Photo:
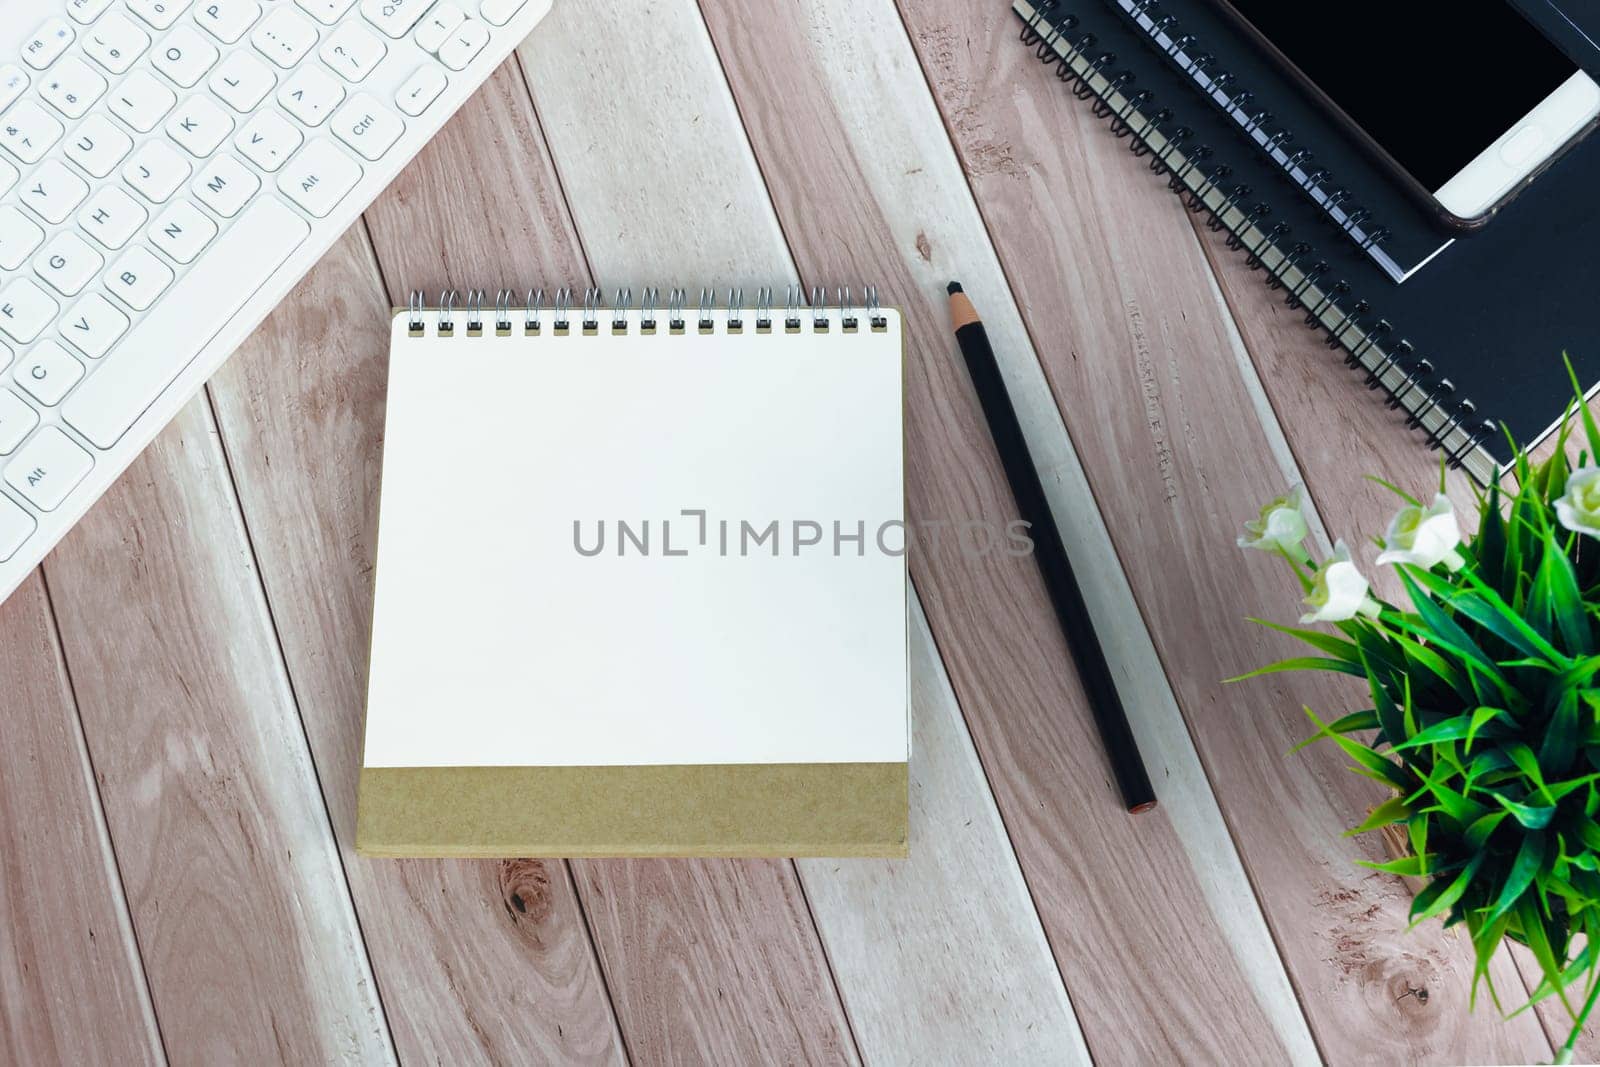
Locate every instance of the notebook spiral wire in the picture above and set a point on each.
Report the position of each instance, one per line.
(1448, 422)
(467, 311)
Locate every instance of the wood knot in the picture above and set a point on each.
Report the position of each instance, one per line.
(525, 888)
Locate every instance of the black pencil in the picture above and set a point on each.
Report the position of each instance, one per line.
(1051, 555)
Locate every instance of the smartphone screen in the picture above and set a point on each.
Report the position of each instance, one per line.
(1434, 83)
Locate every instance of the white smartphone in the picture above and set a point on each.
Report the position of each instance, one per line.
(1464, 102)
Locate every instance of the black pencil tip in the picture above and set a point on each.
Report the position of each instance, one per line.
(954, 287)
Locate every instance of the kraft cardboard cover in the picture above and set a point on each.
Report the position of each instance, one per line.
(799, 809)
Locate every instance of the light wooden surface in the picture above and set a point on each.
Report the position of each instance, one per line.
(183, 681)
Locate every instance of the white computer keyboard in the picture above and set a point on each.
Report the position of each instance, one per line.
(168, 170)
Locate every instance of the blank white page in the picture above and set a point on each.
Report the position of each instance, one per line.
(497, 642)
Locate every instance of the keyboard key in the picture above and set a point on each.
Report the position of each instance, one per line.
(138, 278)
(142, 102)
(115, 42)
(421, 89)
(243, 80)
(48, 467)
(464, 42)
(47, 43)
(311, 95)
(185, 56)
(227, 20)
(19, 236)
(319, 177)
(25, 310)
(182, 231)
(394, 17)
(86, 11)
(8, 176)
(326, 12)
(53, 192)
(156, 170)
(225, 185)
(13, 81)
(111, 216)
(285, 36)
(199, 125)
(17, 421)
(16, 526)
(268, 140)
(499, 12)
(98, 146)
(68, 263)
(27, 131)
(367, 126)
(433, 30)
(72, 87)
(93, 325)
(48, 372)
(197, 308)
(158, 13)
(353, 50)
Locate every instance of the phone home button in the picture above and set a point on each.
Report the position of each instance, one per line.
(1521, 145)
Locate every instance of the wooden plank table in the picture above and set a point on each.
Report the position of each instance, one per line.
(183, 678)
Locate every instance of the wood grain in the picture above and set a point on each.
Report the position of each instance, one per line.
(71, 987)
(1115, 294)
(941, 958)
(738, 240)
(756, 949)
(476, 962)
(233, 879)
(706, 157)
(859, 209)
(213, 613)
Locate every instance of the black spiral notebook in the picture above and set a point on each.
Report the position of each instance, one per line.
(1466, 351)
(1283, 125)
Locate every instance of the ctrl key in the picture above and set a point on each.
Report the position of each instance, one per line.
(16, 526)
(47, 468)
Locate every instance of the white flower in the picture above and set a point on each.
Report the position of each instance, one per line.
(1280, 526)
(1339, 591)
(1579, 507)
(1424, 537)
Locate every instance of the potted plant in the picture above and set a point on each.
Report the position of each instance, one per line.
(1484, 716)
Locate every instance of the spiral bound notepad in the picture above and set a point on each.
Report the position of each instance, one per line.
(1487, 324)
(641, 583)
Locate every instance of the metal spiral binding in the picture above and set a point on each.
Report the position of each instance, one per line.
(1448, 422)
(1183, 51)
(559, 324)
(414, 324)
(675, 311)
(502, 312)
(819, 312)
(447, 308)
(647, 310)
(708, 301)
(710, 317)
(764, 309)
(619, 310)
(591, 311)
(531, 311)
